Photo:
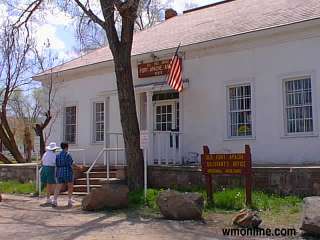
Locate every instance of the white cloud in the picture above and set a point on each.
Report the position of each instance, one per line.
(180, 5)
(48, 32)
(3, 12)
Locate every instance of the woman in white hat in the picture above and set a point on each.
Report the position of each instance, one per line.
(48, 170)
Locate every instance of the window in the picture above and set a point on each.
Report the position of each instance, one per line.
(298, 106)
(164, 117)
(70, 124)
(98, 122)
(240, 123)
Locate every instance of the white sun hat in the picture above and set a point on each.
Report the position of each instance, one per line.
(52, 146)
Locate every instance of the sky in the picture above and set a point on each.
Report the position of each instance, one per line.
(58, 27)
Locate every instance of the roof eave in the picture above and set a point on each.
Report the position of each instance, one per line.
(140, 56)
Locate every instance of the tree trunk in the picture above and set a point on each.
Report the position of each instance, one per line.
(39, 132)
(4, 159)
(27, 143)
(129, 120)
(11, 146)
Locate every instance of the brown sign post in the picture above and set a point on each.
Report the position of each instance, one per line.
(234, 164)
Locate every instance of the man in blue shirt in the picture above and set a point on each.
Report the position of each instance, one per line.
(64, 173)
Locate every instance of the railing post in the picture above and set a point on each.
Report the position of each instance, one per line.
(150, 127)
(37, 178)
(105, 157)
(179, 148)
(117, 149)
(145, 173)
(167, 146)
(108, 170)
(88, 182)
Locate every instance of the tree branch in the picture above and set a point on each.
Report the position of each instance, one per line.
(90, 14)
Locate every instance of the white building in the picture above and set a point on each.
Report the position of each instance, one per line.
(252, 76)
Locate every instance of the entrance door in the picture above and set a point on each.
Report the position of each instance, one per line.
(166, 131)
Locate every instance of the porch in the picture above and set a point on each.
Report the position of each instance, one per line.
(160, 116)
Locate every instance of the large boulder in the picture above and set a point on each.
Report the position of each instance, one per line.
(110, 195)
(180, 206)
(310, 222)
(247, 218)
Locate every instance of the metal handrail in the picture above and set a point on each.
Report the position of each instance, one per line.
(38, 178)
(90, 168)
(107, 163)
(80, 150)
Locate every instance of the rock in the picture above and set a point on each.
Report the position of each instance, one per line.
(180, 206)
(247, 219)
(110, 195)
(310, 222)
(0, 198)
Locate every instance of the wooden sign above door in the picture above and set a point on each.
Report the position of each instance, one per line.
(152, 69)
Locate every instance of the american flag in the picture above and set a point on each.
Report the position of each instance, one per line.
(174, 79)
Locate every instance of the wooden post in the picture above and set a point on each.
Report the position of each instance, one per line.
(248, 180)
(208, 177)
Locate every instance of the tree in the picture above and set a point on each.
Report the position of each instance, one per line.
(24, 114)
(44, 99)
(13, 68)
(91, 36)
(120, 44)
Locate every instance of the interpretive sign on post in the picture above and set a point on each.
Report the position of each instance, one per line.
(234, 164)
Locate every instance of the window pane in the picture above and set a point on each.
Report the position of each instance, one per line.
(240, 107)
(99, 122)
(169, 109)
(232, 93)
(299, 106)
(70, 124)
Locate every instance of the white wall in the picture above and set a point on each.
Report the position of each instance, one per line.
(264, 68)
(205, 102)
(83, 92)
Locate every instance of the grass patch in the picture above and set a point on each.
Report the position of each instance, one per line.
(234, 199)
(136, 199)
(226, 200)
(17, 187)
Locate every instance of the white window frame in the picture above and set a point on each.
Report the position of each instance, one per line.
(172, 102)
(292, 77)
(232, 84)
(76, 123)
(94, 121)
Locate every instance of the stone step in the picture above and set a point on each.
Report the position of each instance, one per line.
(83, 188)
(98, 169)
(93, 181)
(102, 174)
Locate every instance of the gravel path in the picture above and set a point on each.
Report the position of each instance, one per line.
(21, 218)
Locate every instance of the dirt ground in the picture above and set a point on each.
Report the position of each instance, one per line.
(22, 218)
